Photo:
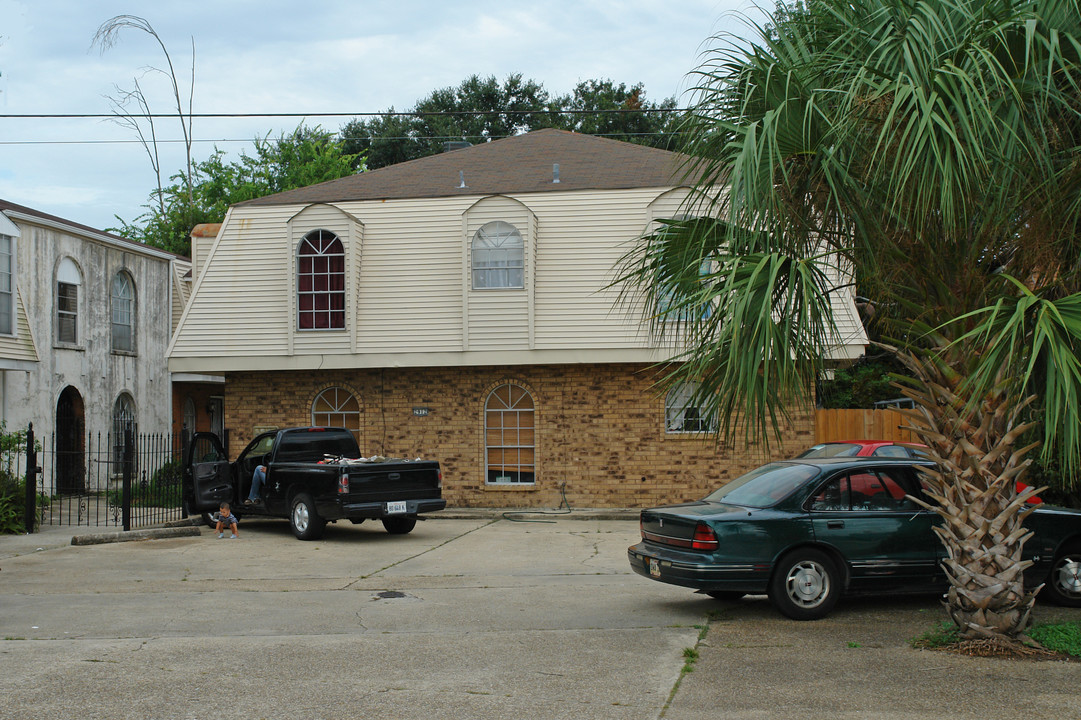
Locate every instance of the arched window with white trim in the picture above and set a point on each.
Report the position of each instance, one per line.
(509, 436)
(68, 280)
(337, 407)
(498, 257)
(122, 306)
(321, 282)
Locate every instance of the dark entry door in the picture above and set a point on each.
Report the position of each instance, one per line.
(70, 438)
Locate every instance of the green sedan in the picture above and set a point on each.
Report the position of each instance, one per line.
(807, 531)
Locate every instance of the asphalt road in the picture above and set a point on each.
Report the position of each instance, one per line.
(463, 618)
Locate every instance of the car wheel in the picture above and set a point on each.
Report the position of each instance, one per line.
(1063, 584)
(399, 525)
(725, 594)
(805, 585)
(305, 521)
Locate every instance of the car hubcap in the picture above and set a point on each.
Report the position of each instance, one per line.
(808, 584)
(1067, 576)
(300, 517)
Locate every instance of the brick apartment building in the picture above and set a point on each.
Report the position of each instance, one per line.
(459, 307)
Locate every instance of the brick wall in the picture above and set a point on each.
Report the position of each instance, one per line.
(600, 435)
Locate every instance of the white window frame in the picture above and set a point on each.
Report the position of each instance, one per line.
(122, 312)
(682, 415)
(510, 437)
(7, 285)
(497, 257)
(68, 277)
(320, 240)
(343, 410)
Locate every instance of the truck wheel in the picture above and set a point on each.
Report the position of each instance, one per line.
(805, 585)
(305, 521)
(399, 525)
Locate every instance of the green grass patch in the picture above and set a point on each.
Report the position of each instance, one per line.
(943, 634)
(1060, 637)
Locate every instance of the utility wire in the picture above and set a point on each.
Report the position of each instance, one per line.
(260, 139)
(407, 113)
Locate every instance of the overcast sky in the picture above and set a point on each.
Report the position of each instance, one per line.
(271, 56)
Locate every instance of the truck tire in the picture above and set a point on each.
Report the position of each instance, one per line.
(305, 521)
(399, 525)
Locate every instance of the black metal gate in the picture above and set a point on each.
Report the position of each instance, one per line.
(133, 480)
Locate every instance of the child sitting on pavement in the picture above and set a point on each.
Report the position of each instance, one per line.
(226, 518)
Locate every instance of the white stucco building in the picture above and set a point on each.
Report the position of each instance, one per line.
(85, 321)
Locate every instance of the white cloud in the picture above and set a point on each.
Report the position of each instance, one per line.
(279, 56)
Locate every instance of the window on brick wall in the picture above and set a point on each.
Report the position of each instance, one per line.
(684, 412)
(509, 436)
(337, 407)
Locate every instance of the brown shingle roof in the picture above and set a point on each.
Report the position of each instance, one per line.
(519, 164)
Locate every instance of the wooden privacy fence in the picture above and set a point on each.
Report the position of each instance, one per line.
(831, 425)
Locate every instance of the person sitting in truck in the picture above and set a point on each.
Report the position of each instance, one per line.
(258, 477)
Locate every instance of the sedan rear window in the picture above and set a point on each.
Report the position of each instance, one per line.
(826, 450)
(764, 486)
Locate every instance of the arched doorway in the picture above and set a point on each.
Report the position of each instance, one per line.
(70, 438)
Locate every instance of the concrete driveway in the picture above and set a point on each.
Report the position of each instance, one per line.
(464, 618)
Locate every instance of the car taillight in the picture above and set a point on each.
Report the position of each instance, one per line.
(343, 484)
(439, 474)
(704, 538)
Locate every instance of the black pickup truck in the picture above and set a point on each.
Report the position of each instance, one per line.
(313, 475)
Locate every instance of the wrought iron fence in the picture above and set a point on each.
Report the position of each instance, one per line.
(100, 479)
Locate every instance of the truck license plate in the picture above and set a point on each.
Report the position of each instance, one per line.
(395, 508)
(654, 567)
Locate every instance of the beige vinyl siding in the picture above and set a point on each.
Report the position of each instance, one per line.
(582, 237)
(20, 347)
(180, 292)
(408, 282)
(410, 293)
(241, 302)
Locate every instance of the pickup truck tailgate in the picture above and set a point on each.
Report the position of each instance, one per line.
(413, 480)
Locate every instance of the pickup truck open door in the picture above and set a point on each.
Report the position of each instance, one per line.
(208, 474)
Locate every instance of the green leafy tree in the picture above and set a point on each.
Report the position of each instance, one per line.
(304, 157)
(483, 109)
(928, 149)
(600, 107)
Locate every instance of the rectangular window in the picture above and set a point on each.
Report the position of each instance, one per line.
(7, 286)
(67, 307)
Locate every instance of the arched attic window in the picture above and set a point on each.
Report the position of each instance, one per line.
(321, 282)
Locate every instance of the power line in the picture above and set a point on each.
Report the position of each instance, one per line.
(434, 113)
(197, 141)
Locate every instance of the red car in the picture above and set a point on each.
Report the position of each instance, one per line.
(878, 448)
(862, 448)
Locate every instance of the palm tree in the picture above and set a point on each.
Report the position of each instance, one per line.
(927, 151)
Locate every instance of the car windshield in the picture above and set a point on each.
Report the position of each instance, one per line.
(764, 486)
(826, 450)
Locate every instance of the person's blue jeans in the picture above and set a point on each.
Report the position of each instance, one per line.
(257, 479)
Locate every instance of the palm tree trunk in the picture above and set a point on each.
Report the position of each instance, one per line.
(973, 488)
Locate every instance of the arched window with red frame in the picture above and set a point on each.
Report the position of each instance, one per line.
(321, 282)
